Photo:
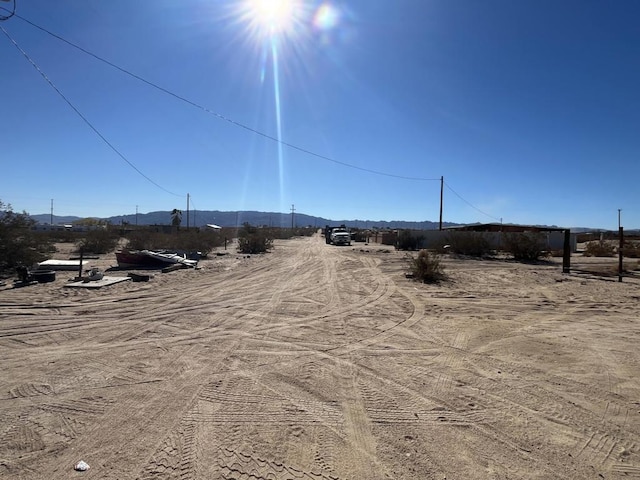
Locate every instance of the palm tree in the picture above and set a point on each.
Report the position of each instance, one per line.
(176, 217)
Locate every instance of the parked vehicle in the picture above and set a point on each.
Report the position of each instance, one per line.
(340, 237)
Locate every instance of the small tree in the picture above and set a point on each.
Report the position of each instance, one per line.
(19, 244)
(253, 240)
(176, 217)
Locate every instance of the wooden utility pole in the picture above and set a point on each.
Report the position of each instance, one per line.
(51, 217)
(187, 211)
(441, 198)
(620, 253)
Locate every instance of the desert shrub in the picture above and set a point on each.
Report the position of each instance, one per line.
(408, 240)
(98, 241)
(631, 250)
(599, 248)
(196, 241)
(183, 241)
(254, 240)
(469, 243)
(426, 267)
(287, 233)
(19, 244)
(525, 246)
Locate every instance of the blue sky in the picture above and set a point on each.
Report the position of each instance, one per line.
(528, 109)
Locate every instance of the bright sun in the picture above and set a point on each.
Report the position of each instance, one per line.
(268, 17)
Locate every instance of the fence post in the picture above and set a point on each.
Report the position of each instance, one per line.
(566, 254)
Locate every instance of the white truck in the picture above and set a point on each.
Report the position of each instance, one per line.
(340, 237)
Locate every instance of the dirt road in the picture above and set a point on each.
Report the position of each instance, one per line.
(320, 362)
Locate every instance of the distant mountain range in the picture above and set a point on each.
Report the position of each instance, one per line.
(272, 219)
(232, 219)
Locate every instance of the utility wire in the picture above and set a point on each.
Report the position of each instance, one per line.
(470, 204)
(11, 13)
(220, 116)
(102, 137)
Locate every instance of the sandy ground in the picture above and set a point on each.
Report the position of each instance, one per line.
(321, 362)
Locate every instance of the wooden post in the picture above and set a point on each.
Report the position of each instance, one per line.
(441, 198)
(80, 267)
(621, 239)
(566, 256)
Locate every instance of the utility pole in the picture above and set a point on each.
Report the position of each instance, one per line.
(136, 215)
(620, 247)
(441, 198)
(619, 224)
(292, 213)
(187, 211)
(51, 216)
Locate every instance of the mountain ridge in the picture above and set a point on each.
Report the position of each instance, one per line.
(236, 218)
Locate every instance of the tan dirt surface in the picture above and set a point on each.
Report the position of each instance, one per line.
(318, 362)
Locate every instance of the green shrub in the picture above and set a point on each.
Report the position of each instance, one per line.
(469, 243)
(253, 240)
(19, 244)
(599, 248)
(426, 267)
(525, 246)
(98, 241)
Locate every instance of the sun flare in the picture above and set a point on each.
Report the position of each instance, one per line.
(271, 16)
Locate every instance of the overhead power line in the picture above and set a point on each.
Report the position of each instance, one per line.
(217, 115)
(10, 12)
(220, 116)
(470, 204)
(73, 107)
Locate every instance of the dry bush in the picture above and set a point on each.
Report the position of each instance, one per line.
(526, 247)
(631, 250)
(599, 248)
(98, 241)
(408, 240)
(254, 240)
(183, 241)
(426, 267)
(469, 243)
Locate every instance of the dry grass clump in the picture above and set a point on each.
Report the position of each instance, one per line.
(426, 267)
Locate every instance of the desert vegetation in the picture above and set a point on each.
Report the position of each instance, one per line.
(408, 240)
(253, 240)
(599, 248)
(473, 244)
(19, 244)
(426, 267)
(526, 247)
